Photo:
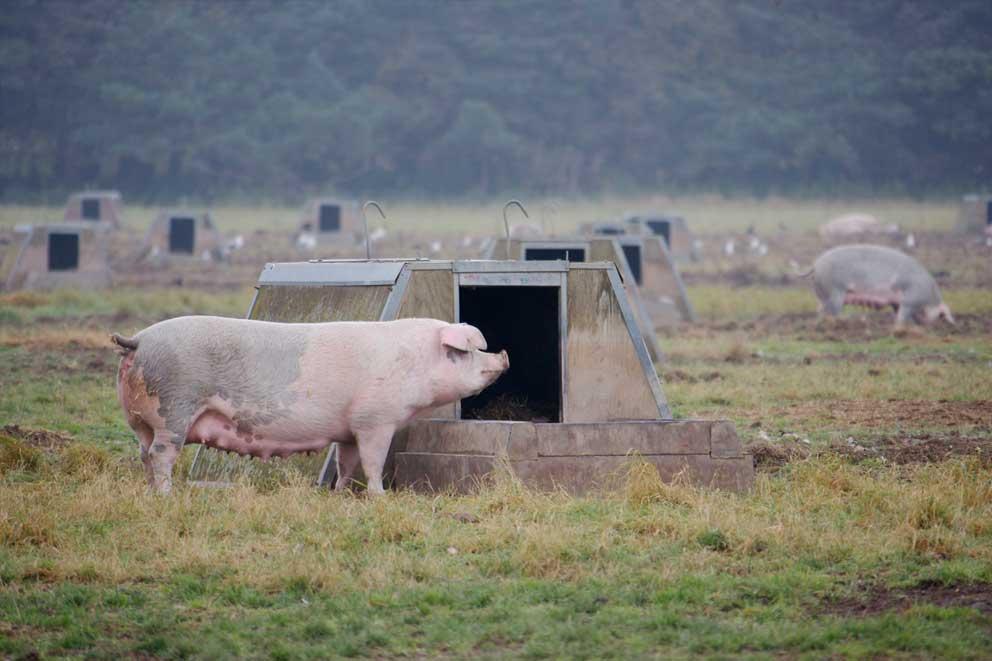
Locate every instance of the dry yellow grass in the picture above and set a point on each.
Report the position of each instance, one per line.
(101, 524)
(49, 337)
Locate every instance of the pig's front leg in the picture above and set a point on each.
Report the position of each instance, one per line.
(904, 316)
(373, 446)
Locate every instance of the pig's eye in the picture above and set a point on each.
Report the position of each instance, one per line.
(454, 355)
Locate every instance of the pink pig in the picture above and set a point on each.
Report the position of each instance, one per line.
(263, 388)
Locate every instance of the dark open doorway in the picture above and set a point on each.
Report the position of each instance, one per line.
(662, 228)
(63, 252)
(988, 212)
(91, 208)
(549, 254)
(610, 231)
(330, 218)
(633, 255)
(181, 235)
(525, 322)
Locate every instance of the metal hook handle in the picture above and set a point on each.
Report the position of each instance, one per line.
(548, 206)
(506, 223)
(365, 221)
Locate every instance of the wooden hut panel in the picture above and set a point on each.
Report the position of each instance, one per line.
(317, 304)
(429, 294)
(604, 376)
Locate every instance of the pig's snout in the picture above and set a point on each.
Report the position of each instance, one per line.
(506, 359)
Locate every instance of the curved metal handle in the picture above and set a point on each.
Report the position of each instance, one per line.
(548, 206)
(365, 221)
(506, 223)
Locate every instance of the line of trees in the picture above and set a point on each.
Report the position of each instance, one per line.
(246, 97)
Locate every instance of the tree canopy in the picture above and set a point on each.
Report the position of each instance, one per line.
(227, 98)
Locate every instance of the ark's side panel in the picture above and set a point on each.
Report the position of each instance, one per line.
(609, 250)
(9, 253)
(662, 290)
(605, 377)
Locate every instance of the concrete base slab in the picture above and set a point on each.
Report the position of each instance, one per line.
(577, 457)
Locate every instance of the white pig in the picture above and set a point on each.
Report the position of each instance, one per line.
(272, 389)
(877, 276)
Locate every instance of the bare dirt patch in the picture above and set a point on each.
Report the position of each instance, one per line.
(923, 449)
(909, 412)
(770, 456)
(744, 275)
(855, 325)
(877, 599)
(39, 438)
(681, 376)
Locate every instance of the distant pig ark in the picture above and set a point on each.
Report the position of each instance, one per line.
(103, 207)
(672, 228)
(179, 233)
(975, 214)
(627, 258)
(877, 277)
(332, 220)
(60, 255)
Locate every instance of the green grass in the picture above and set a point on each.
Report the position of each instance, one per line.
(92, 565)
(71, 306)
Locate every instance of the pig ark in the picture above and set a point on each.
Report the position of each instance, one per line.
(273, 389)
(876, 276)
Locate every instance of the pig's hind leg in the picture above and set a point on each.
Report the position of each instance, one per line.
(145, 435)
(834, 303)
(373, 446)
(163, 453)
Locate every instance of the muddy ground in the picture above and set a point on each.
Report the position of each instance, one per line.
(875, 599)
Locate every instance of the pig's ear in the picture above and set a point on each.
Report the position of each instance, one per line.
(462, 337)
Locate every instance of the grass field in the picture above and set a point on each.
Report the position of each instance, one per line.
(707, 214)
(868, 532)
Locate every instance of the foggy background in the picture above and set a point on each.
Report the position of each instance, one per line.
(249, 100)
